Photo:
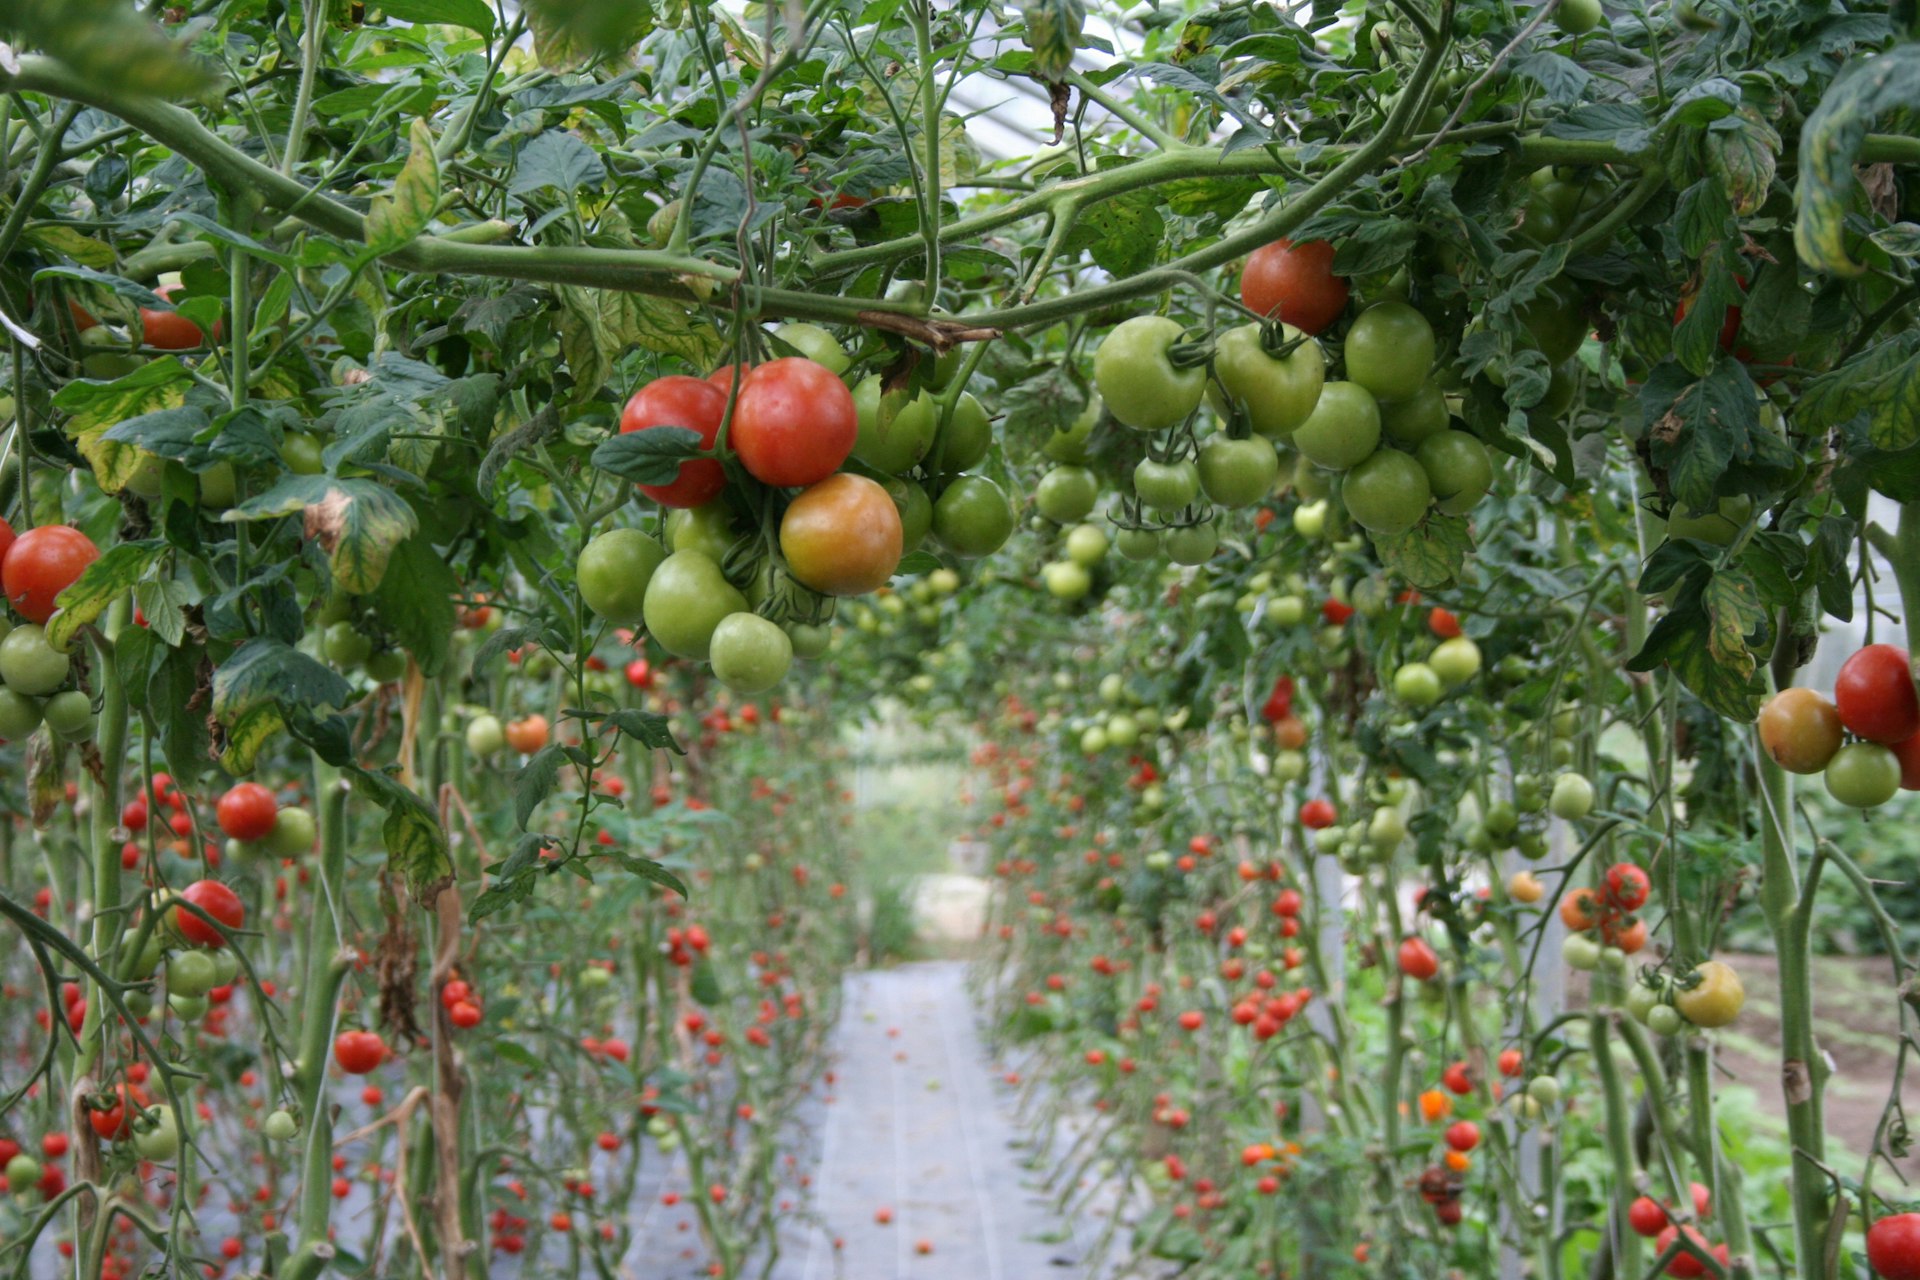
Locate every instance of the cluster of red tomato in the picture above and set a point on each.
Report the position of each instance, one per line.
(1874, 699)
(1608, 912)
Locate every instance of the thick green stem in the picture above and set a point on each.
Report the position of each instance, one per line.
(1619, 1131)
(327, 969)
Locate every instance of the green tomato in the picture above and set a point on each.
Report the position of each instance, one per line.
(963, 441)
(1544, 1090)
(23, 1172)
(1087, 545)
(1387, 493)
(1572, 797)
(973, 517)
(1580, 952)
(895, 431)
(1287, 611)
(1561, 385)
(1237, 473)
(280, 1126)
(1861, 775)
(1193, 544)
(915, 508)
(1138, 544)
(1344, 427)
(293, 832)
(160, 1139)
(1455, 661)
(1093, 740)
(19, 714)
(29, 664)
(1386, 831)
(1310, 482)
(302, 454)
(219, 486)
(750, 654)
(816, 344)
(1557, 319)
(1577, 17)
(1066, 580)
(613, 572)
(707, 528)
(1066, 493)
(1166, 486)
(1459, 470)
(1418, 685)
(485, 736)
(1718, 527)
(1070, 445)
(686, 601)
(1310, 519)
(345, 646)
(191, 973)
(809, 641)
(1665, 1020)
(1137, 379)
(147, 476)
(1414, 418)
(1277, 395)
(69, 715)
(1389, 350)
(1640, 1000)
(1501, 820)
(387, 666)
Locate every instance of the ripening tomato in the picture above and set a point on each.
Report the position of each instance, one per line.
(40, 564)
(247, 811)
(359, 1052)
(843, 536)
(218, 901)
(793, 424)
(1417, 959)
(1715, 997)
(1800, 730)
(527, 734)
(1893, 1246)
(1580, 909)
(1874, 692)
(695, 404)
(1295, 283)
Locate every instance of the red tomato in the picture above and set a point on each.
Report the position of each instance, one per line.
(40, 564)
(115, 1123)
(1646, 1217)
(1317, 814)
(465, 1014)
(1463, 1135)
(218, 901)
(1296, 283)
(1417, 959)
(1456, 1079)
(1443, 623)
(640, 673)
(794, 423)
(359, 1052)
(168, 329)
(1627, 886)
(246, 811)
(1874, 693)
(1510, 1062)
(695, 404)
(1893, 1247)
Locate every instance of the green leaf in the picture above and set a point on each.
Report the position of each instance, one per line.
(649, 870)
(1561, 78)
(108, 43)
(471, 14)
(1883, 382)
(1706, 436)
(175, 702)
(1122, 235)
(358, 523)
(559, 160)
(94, 408)
(649, 728)
(652, 456)
(1053, 29)
(264, 670)
(163, 602)
(568, 34)
(598, 326)
(535, 780)
(915, 563)
(1742, 152)
(1703, 639)
(542, 426)
(1829, 143)
(415, 842)
(398, 217)
(414, 601)
(1038, 406)
(99, 585)
(69, 243)
(1431, 554)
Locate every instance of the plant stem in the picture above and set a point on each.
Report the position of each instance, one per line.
(313, 40)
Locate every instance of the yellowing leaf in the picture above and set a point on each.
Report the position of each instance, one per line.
(398, 217)
(93, 408)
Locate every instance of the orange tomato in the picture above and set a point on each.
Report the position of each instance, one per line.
(527, 735)
(842, 536)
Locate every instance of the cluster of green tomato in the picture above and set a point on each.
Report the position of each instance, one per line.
(39, 687)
